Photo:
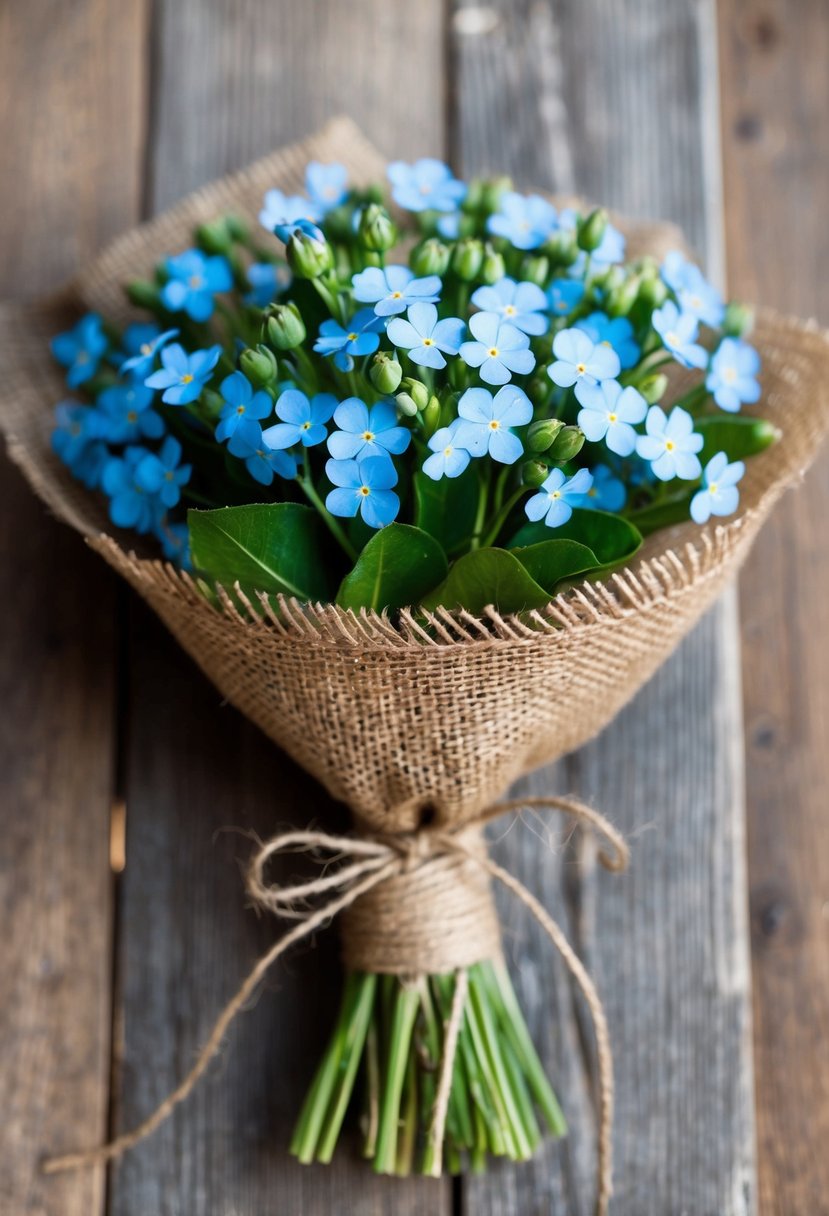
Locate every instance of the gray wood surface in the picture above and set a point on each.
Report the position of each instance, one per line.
(619, 111)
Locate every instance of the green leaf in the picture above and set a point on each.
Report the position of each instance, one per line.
(674, 510)
(611, 538)
(739, 437)
(551, 561)
(272, 547)
(446, 509)
(488, 576)
(396, 569)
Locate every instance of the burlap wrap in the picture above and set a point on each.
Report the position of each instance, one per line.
(392, 719)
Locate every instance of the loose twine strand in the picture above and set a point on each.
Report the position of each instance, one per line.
(371, 862)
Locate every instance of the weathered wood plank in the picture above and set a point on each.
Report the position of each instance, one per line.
(583, 97)
(248, 82)
(775, 98)
(70, 90)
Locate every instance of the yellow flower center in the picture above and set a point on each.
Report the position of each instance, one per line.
(712, 487)
(669, 445)
(613, 418)
(448, 451)
(428, 342)
(494, 424)
(510, 310)
(352, 337)
(132, 416)
(729, 375)
(671, 339)
(397, 295)
(581, 368)
(493, 352)
(555, 494)
(365, 491)
(368, 436)
(195, 281)
(187, 378)
(146, 348)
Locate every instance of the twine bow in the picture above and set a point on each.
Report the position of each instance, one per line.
(367, 863)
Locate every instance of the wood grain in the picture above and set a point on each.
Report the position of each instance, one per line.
(582, 97)
(254, 76)
(70, 92)
(775, 95)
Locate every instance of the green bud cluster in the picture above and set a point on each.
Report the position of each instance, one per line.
(283, 326)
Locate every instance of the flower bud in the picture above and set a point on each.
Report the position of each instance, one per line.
(493, 268)
(467, 258)
(561, 248)
(653, 387)
(622, 298)
(142, 294)
(535, 268)
(214, 236)
(534, 473)
(493, 191)
(431, 417)
(417, 390)
(376, 231)
(212, 401)
(309, 256)
(238, 229)
(259, 365)
(283, 326)
(591, 230)
(386, 373)
(474, 194)
(739, 320)
(542, 434)
(567, 444)
(652, 292)
(611, 280)
(430, 257)
(406, 405)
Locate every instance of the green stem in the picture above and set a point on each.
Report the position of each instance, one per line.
(483, 499)
(499, 1081)
(352, 1050)
(400, 1037)
(372, 1084)
(500, 518)
(334, 528)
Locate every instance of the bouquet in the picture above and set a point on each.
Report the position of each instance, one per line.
(395, 450)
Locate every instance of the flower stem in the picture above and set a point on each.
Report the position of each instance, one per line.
(400, 1036)
(500, 517)
(334, 528)
(352, 1050)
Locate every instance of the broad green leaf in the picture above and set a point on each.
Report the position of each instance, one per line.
(738, 436)
(272, 547)
(674, 510)
(488, 576)
(551, 561)
(446, 509)
(396, 569)
(612, 538)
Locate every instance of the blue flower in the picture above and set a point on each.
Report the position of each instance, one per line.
(359, 338)
(392, 290)
(366, 432)
(364, 486)
(563, 295)
(184, 376)
(268, 280)
(524, 220)
(175, 542)
(616, 332)
(124, 414)
(448, 459)
(582, 362)
(163, 475)
(193, 282)
(484, 422)
(671, 444)
(690, 286)
(732, 378)
(241, 402)
(142, 343)
(449, 225)
(76, 428)
(607, 492)
(557, 496)
(262, 462)
(678, 331)
(281, 209)
(326, 184)
(610, 413)
(719, 494)
(130, 505)
(521, 304)
(499, 349)
(427, 185)
(303, 421)
(80, 349)
(424, 336)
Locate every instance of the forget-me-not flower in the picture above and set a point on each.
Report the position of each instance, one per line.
(393, 289)
(690, 286)
(425, 337)
(719, 494)
(616, 332)
(194, 279)
(76, 426)
(183, 376)
(80, 349)
(240, 402)
(287, 209)
(124, 414)
(671, 444)
(610, 413)
(175, 542)
(427, 185)
(364, 486)
(678, 331)
(563, 295)
(267, 280)
(607, 492)
(130, 506)
(524, 220)
(326, 184)
(262, 462)
(302, 420)
(557, 496)
(142, 343)
(484, 422)
(448, 459)
(163, 474)
(499, 349)
(366, 431)
(359, 337)
(733, 375)
(582, 363)
(521, 304)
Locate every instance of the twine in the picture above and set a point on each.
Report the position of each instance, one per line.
(369, 864)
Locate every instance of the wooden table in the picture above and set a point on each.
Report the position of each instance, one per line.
(110, 977)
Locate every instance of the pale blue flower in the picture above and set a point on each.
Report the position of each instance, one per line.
(520, 304)
(616, 332)
(581, 362)
(303, 420)
(364, 486)
(484, 422)
(719, 494)
(690, 286)
(610, 412)
(425, 337)
(499, 349)
(142, 343)
(607, 492)
(557, 496)
(280, 209)
(447, 459)
(678, 331)
(326, 184)
(671, 444)
(80, 349)
(240, 402)
(563, 295)
(183, 376)
(524, 220)
(449, 225)
(366, 431)
(130, 506)
(427, 185)
(393, 289)
(359, 337)
(194, 279)
(163, 474)
(261, 461)
(267, 280)
(733, 375)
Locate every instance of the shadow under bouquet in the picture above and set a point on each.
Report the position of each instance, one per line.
(400, 445)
